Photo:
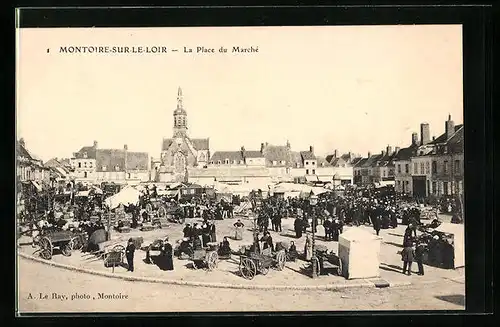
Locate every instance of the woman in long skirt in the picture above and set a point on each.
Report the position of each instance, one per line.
(308, 248)
(213, 234)
(238, 235)
(166, 261)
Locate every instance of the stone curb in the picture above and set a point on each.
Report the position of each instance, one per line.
(364, 284)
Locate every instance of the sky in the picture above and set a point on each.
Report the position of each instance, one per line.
(351, 88)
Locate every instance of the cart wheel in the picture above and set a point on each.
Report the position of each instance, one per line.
(280, 260)
(340, 271)
(67, 248)
(212, 259)
(247, 268)
(45, 248)
(315, 261)
(149, 208)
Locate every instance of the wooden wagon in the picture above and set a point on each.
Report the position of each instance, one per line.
(325, 261)
(207, 258)
(47, 242)
(253, 262)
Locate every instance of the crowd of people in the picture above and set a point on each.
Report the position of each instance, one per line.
(380, 209)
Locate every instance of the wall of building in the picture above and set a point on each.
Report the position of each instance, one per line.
(403, 178)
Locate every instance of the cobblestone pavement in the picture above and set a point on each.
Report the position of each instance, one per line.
(227, 270)
(36, 278)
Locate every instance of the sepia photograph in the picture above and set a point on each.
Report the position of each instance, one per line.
(240, 169)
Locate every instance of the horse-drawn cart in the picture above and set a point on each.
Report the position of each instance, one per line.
(253, 262)
(205, 258)
(325, 261)
(47, 242)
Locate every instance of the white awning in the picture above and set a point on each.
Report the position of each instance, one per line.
(311, 178)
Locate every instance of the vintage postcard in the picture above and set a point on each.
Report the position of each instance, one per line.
(240, 169)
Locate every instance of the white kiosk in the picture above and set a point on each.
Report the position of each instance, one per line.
(359, 251)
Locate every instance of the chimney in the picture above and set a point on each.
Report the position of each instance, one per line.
(125, 147)
(21, 141)
(311, 149)
(242, 149)
(414, 139)
(425, 135)
(433, 138)
(382, 153)
(396, 150)
(336, 153)
(369, 154)
(95, 144)
(288, 144)
(449, 128)
(262, 146)
(389, 150)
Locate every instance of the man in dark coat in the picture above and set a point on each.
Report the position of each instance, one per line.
(278, 221)
(419, 256)
(377, 224)
(268, 241)
(187, 231)
(129, 253)
(298, 227)
(407, 256)
(327, 224)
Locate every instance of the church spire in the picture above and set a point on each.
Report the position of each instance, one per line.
(180, 116)
(179, 98)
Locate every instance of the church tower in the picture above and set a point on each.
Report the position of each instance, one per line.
(180, 117)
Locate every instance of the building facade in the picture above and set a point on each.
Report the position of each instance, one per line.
(438, 164)
(93, 165)
(376, 168)
(29, 167)
(181, 152)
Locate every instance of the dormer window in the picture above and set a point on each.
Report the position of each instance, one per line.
(85, 155)
(241, 162)
(218, 162)
(275, 162)
(104, 168)
(282, 162)
(117, 168)
(226, 161)
(297, 165)
(211, 162)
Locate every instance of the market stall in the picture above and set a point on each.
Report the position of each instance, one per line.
(126, 196)
(359, 251)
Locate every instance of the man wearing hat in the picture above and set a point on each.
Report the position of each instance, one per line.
(129, 253)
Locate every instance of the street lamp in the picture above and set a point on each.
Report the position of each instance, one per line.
(257, 207)
(313, 200)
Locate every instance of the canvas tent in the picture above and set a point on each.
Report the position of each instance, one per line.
(359, 250)
(126, 196)
(457, 231)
